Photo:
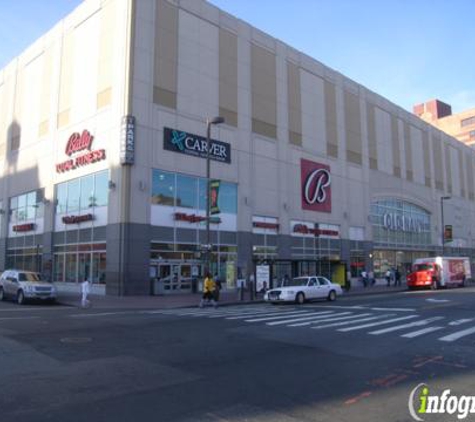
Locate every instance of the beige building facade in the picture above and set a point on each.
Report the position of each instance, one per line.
(103, 157)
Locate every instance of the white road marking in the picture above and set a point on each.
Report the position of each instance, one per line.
(335, 317)
(354, 321)
(422, 332)
(99, 314)
(244, 316)
(461, 321)
(374, 324)
(404, 326)
(316, 317)
(394, 309)
(458, 334)
(26, 317)
(437, 300)
(270, 318)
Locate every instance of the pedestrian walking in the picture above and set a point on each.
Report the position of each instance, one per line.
(217, 287)
(85, 290)
(397, 276)
(364, 278)
(208, 291)
(387, 276)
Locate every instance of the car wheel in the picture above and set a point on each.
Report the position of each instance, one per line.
(20, 297)
(300, 298)
(332, 296)
(2, 295)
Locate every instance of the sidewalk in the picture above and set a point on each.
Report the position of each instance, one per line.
(191, 300)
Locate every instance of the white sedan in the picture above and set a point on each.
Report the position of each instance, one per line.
(300, 289)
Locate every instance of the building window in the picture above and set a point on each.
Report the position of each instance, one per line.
(468, 121)
(172, 189)
(82, 193)
(472, 135)
(27, 206)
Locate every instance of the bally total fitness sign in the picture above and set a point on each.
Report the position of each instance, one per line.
(316, 186)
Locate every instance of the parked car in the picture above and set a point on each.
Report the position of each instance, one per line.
(25, 285)
(300, 289)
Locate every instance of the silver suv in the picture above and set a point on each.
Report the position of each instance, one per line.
(24, 285)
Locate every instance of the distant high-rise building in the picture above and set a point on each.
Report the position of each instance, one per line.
(459, 125)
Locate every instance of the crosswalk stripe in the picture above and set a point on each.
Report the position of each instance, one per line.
(243, 312)
(335, 317)
(270, 318)
(317, 316)
(354, 321)
(458, 334)
(266, 314)
(374, 324)
(422, 332)
(404, 326)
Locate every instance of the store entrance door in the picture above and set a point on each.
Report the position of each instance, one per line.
(176, 278)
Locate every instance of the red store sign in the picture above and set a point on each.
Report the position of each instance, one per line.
(316, 186)
(24, 227)
(264, 225)
(77, 143)
(76, 219)
(303, 229)
(193, 218)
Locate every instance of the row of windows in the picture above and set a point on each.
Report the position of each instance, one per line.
(27, 206)
(83, 193)
(468, 121)
(177, 190)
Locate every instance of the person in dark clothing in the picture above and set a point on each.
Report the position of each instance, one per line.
(397, 277)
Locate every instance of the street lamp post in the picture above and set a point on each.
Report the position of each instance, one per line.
(442, 199)
(209, 122)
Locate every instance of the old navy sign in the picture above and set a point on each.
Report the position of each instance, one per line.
(189, 144)
(76, 144)
(398, 222)
(316, 186)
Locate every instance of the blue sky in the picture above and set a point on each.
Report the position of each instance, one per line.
(408, 51)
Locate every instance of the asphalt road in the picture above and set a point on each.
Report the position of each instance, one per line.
(356, 359)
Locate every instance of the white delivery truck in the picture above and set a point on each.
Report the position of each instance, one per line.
(439, 271)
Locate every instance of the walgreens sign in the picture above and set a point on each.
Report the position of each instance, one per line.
(78, 143)
(316, 186)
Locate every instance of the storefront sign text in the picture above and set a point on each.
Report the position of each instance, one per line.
(303, 229)
(193, 218)
(187, 143)
(398, 222)
(77, 143)
(76, 219)
(23, 227)
(127, 140)
(263, 225)
(316, 186)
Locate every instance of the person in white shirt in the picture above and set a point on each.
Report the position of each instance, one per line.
(85, 289)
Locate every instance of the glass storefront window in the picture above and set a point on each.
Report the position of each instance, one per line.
(71, 271)
(101, 188)
(62, 198)
(227, 201)
(74, 195)
(87, 193)
(186, 191)
(26, 207)
(163, 188)
(83, 193)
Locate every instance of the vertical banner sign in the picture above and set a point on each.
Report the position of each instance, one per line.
(127, 140)
(214, 192)
(316, 186)
(448, 237)
(262, 277)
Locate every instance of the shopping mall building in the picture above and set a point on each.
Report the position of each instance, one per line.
(103, 148)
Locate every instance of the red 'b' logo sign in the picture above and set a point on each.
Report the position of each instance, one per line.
(316, 186)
